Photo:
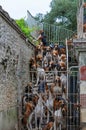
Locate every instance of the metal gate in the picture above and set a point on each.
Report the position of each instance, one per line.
(73, 122)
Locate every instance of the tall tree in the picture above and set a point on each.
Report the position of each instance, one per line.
(39, 17)
(63, 12)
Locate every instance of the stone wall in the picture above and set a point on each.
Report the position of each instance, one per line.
(80, 49)
(82, 63)
(15, 53)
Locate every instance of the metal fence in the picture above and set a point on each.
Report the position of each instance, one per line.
(72, 117)
(53, 33)
(73, 122)
(56, 34)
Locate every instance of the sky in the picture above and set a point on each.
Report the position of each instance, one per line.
(18, 8)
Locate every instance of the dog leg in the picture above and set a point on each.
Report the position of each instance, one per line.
(48, 117)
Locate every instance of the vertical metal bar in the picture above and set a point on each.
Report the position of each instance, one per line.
(67, 65)
(49, 34)
(73, 94)
(78, 99)
(67, 78)
(69, 128)
(56, 34)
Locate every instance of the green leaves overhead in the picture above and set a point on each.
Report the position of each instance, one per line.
(64, 11)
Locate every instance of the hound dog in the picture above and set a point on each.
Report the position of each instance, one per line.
(38, 113)
(57, 114)
(40, 73)
(28, 115)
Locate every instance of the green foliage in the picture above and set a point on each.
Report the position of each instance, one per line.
(39, 17)
(24, 27)
(65, 11)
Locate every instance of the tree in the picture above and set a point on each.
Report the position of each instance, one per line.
(24, 27)
(39, 17)
(63, 12)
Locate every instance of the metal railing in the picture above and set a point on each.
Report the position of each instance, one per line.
(56, 34)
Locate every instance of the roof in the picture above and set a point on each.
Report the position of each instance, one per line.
(13, 24)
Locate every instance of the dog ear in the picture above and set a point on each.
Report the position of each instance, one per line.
(62, 64)
(63, 56)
